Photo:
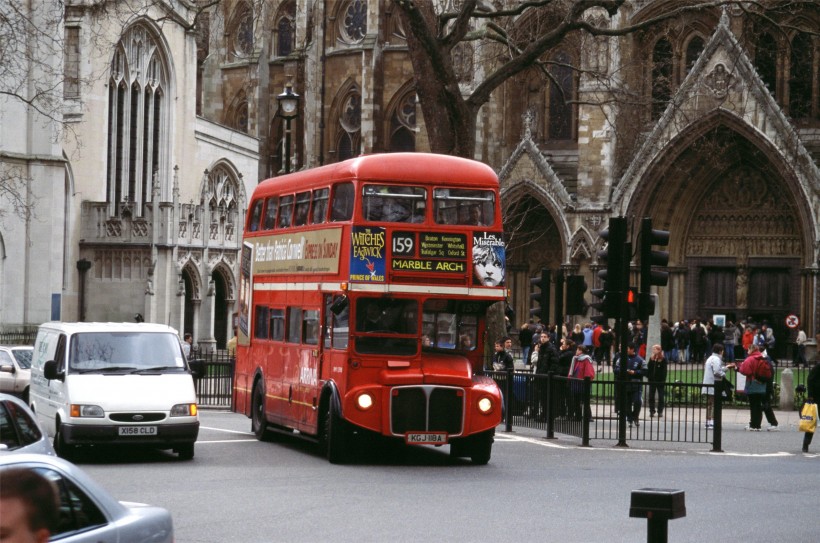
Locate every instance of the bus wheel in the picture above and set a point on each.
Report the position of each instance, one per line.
(259, 424)
(481, 448)
(335, 436)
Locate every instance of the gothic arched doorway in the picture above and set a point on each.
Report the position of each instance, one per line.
(221, 309)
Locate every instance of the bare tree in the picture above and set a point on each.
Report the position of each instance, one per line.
(515, 37)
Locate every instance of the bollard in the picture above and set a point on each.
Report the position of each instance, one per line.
(657, 506)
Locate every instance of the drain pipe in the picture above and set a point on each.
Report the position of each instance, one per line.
(83, 266)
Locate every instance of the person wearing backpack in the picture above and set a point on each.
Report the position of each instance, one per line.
(755, 368)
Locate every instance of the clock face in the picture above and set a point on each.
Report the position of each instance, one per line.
(289, 106)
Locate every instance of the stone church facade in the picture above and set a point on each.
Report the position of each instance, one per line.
(709, 125)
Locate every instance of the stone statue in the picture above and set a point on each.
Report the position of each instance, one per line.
(742, 287)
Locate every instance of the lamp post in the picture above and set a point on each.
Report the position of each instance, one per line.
(288, 110)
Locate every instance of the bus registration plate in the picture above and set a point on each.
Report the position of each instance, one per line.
(137, 430)
(425, 438)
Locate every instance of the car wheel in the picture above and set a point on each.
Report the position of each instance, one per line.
(185, 452)
(64, 450)
(335, 436)
(259, 424)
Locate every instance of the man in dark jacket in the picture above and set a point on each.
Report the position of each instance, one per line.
(635, 371)
(547, 362)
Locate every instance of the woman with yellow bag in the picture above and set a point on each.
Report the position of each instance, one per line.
(808, 413)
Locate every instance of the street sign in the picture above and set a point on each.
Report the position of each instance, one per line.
(792, 321)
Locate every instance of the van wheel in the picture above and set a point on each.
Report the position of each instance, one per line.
(64, 450)
(185, 452)
(259, 424)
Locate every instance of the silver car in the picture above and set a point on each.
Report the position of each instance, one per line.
(19, 430)
(88, 512)
(15, 370)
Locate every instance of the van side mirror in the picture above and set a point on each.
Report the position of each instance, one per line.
(50, 371)
(7, 369)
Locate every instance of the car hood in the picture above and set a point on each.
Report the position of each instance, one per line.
(131, 392)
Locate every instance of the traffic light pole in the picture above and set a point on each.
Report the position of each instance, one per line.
(622, 328)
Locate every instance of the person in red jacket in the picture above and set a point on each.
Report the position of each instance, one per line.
(581, 368)
(755, 390)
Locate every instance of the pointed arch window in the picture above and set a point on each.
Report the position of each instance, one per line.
(222, 195)
(661, 76)
(801, 70)
(348, 143)
(403, 124)
(562, 89)
(693, 50)
(766, 61)
(284, 30)
(137, 118)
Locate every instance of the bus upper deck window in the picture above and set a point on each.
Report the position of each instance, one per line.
(269, 222)
(319, 214)
(302, 208)
(342, 205)
(386, 203)
(256, 216)
(285, 211)
(464, 207)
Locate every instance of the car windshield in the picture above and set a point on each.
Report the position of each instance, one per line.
(23, 357)
(125, 351)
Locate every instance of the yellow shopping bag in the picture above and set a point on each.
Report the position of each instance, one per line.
(808, 417)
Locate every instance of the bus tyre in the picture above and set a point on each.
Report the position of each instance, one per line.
(334, 436)
(481, 448)
(185, 451)
(259, 424)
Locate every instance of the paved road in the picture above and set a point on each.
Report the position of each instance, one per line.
(239, 489)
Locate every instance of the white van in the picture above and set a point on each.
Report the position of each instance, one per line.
(113, 383)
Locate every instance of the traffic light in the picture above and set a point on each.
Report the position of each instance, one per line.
(576, 287)
(542, 297)
(633, 301)
(650, 259)
(612, 278)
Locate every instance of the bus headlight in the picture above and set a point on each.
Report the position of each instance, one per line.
(485, 405)
(184, 410)
(364, 401)
(91, 411)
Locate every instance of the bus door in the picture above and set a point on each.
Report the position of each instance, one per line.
(306, 391)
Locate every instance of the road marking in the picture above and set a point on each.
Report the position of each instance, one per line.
(750, 455)
(226, 441)
(226, 431)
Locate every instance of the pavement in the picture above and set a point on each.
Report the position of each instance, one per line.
(785, 441)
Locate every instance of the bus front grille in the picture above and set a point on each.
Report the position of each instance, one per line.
(426, 409)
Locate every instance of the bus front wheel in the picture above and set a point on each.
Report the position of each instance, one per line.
(481, 448)
(335, 435)
(259, 423)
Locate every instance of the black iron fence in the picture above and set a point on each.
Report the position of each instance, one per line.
(213, 378)
(590, 409)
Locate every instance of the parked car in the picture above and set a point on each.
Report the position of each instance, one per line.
(19, 430)
(15, 370)
(88, 513)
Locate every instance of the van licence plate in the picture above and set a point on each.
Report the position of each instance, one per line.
(425, 438)
(138, 430)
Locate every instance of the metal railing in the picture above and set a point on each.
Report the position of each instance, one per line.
(213, 378)
(590, 409)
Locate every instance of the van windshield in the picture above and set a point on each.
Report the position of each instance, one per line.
(125, 351)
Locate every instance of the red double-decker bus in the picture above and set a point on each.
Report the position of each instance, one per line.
(363, 296)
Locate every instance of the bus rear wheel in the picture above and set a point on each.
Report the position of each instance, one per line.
(335, 436)
(259, 423)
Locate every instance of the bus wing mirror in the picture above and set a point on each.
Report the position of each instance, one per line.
(50, 371)
(339, 304)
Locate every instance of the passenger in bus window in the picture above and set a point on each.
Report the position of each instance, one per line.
(426, 341)
(488, 266)
(394, 210)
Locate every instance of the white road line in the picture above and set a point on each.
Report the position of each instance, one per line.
(226, 431)
(226, 441)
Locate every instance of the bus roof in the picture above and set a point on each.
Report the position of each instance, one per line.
(403, 167)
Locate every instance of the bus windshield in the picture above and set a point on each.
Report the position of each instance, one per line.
(464, 207)
(383, 326)
(448, 324)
